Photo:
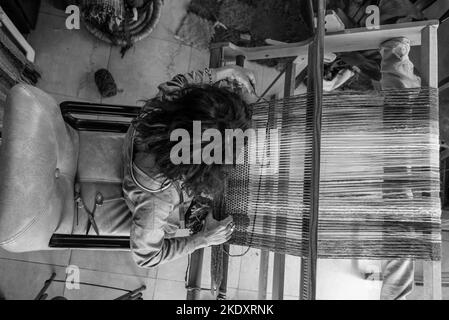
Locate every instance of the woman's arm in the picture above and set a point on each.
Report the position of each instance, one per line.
(148, 243)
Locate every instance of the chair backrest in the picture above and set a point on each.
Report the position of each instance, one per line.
(38, 163)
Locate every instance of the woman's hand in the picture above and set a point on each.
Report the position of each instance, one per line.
(242, 76)
(217, 232)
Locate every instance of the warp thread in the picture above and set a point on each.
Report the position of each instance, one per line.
(379, 194)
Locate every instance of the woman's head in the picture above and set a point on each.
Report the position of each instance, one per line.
(215, 108)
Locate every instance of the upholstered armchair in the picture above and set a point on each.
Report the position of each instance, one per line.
(56, 167)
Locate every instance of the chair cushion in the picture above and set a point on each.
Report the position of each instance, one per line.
(38, 162)
(100, 170)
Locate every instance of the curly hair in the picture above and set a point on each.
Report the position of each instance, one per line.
(216, 108)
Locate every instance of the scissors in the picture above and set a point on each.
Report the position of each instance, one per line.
(91, 215)
(99, 199)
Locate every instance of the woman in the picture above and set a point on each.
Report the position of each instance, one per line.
(158, 192)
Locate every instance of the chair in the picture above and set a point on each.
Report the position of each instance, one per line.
(48, 155)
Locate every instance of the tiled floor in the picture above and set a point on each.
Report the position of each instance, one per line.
(67, 60)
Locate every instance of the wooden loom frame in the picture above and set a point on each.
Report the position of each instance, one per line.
(423, 33)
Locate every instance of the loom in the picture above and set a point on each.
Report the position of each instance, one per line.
(379, 186)
(341, 175)
(349, 175)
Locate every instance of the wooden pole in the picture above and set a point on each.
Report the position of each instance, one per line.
(315, 89)
(279, 259)
(196, 258)
(263, 275)
(223, 289)
(194, 275)
(429, 56)
(429, 74)
(265, 254)
(278, 276)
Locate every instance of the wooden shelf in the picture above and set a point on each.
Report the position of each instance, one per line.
(344, 41)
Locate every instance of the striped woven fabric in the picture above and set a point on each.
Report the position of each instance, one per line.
(379, 189)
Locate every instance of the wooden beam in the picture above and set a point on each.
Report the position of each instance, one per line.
(266, 225)
(429, 74)
(9, 25)
(315, 89)
(432, 280)
(290, 78)
(194, 275)
(444, 84)
(223, 289)
(429, 56)
(279, 259)
(423, 4)
(278, 276)
(263, 275)
(196, 258)
(436, 10)
(344, 41)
